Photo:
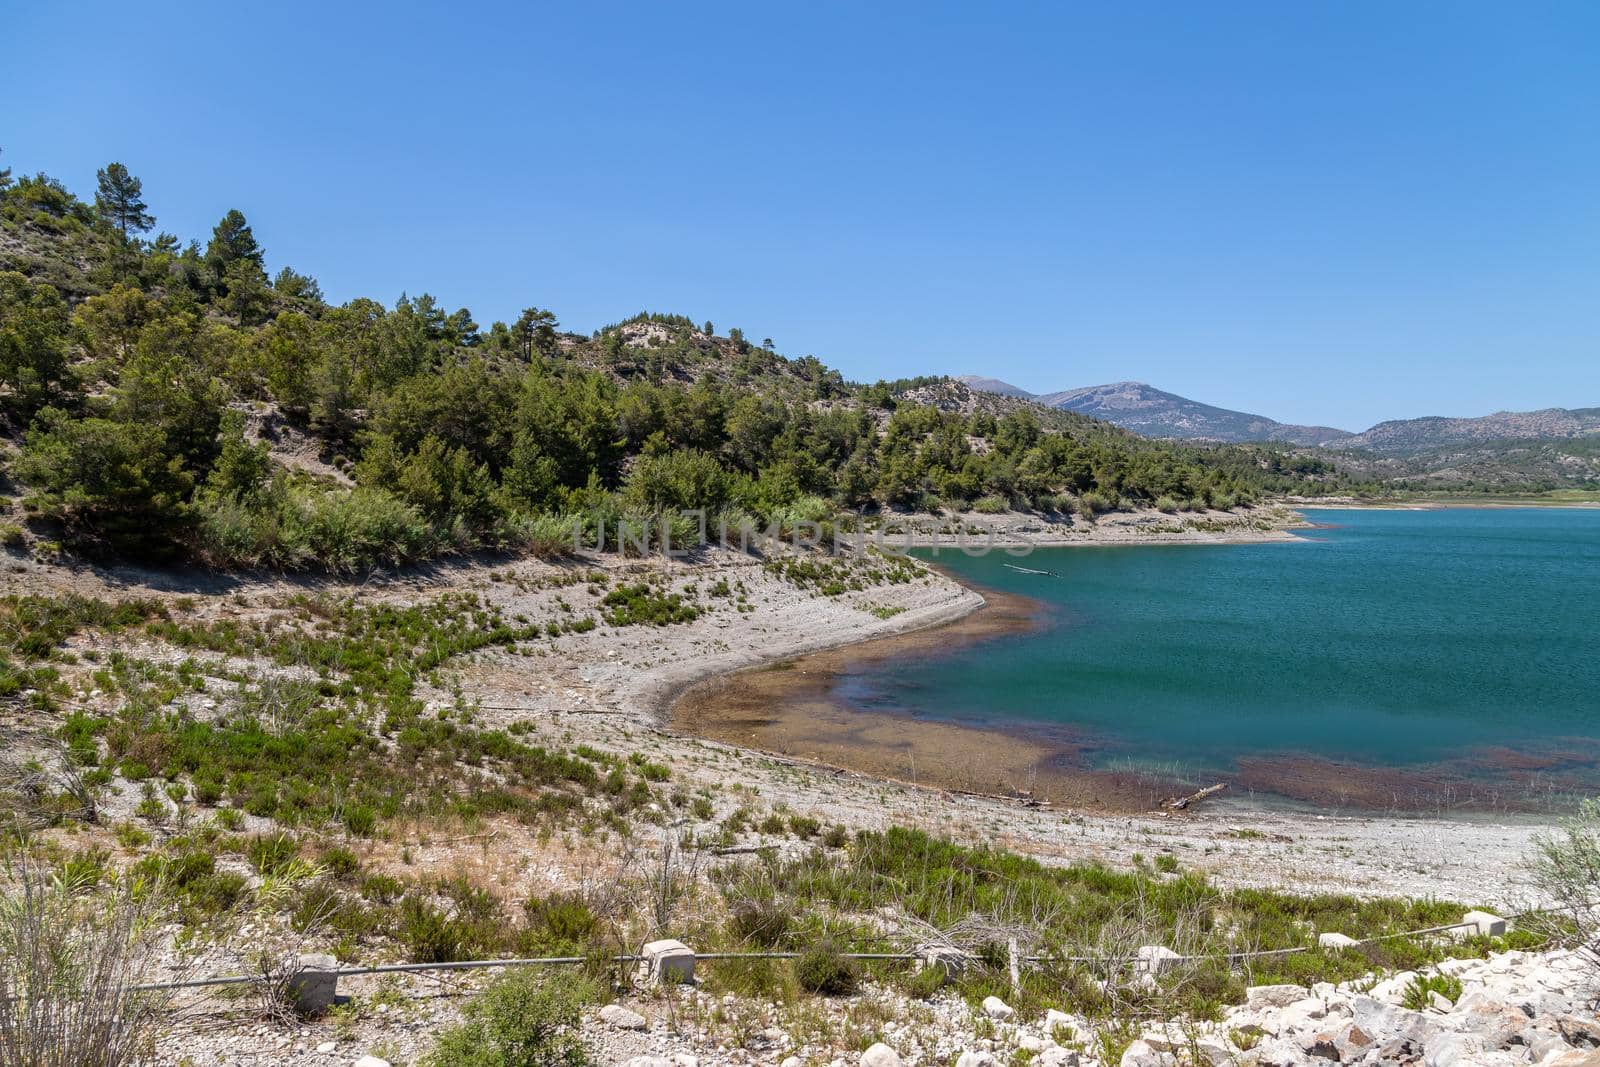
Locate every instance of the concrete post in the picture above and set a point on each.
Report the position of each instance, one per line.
(666, 962)
(315, 984)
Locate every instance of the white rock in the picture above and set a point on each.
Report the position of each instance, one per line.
(792, 1061)
(976, 1059)
(880, 1055)
(1031, 1043)
(1457, 968)
(1299, 1015)
(1055, 1020)
(1392, 990)
(647, 1061)
(327, 1046)
(371, 1061)
(683, 1059)
(1439, 1000)
(1447, 1050)
(622, 1018)
(1141, 1054)
(997, 1009)
(1258, 997)
(1056, 1056)
(1335, 940)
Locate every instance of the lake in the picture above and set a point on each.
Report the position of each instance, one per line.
(1458, 644)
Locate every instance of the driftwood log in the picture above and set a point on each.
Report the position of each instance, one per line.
(1181, 803)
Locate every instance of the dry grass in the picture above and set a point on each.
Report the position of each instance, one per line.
(70, 958)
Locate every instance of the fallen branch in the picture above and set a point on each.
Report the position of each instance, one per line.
(1181, 803)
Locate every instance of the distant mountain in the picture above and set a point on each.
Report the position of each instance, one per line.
(1414, 435)
(1155, 413)
(993, 385)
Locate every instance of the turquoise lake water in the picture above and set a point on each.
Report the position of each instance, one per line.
(1392, 638)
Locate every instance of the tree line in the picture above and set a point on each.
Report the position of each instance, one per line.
(145, 382)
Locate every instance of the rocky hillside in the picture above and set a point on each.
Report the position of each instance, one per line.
(1415, 435)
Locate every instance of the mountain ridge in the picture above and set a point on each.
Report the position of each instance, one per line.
(1154, 412)
(1144, 409)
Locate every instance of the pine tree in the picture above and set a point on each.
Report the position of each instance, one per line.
(232, 241)
(535, 331)
(117, 200)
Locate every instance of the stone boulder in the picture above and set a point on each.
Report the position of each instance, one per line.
(622, 1018)
(1141, 1053)
(1059, 1020)
(1259, 997)
(1056, 1056)
(998, 1010)
(880, 1055)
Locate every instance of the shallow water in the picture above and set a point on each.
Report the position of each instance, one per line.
(1463, 637)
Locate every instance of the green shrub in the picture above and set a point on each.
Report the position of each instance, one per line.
(759, 920)
(991, 505)
(1417, 991)
(639, 603)
(561, 921)
(804, 826)
(341, 863)
(271, 854)
(429, 935)
(824, 970)
(359, 820)
(545, 536)
(525, 1019)
(382, 888)
(1095, 503)
(298, 529)
(12, 535)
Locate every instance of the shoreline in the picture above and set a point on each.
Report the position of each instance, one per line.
(603, 688)
(1462, 504)
(787, 705)
(779, 704)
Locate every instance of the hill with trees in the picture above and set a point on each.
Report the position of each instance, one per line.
(1509, 452)
(163, 399)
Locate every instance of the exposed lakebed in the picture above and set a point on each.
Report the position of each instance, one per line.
(1421, 660)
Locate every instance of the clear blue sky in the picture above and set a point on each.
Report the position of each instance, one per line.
(1329, 212)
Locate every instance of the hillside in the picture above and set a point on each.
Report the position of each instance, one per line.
(167, 400)
(1507, 452)
(1403, 436)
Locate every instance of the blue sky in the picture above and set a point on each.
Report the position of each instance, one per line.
(1323, 212)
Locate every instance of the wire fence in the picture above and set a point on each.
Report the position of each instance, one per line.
(906, 957)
